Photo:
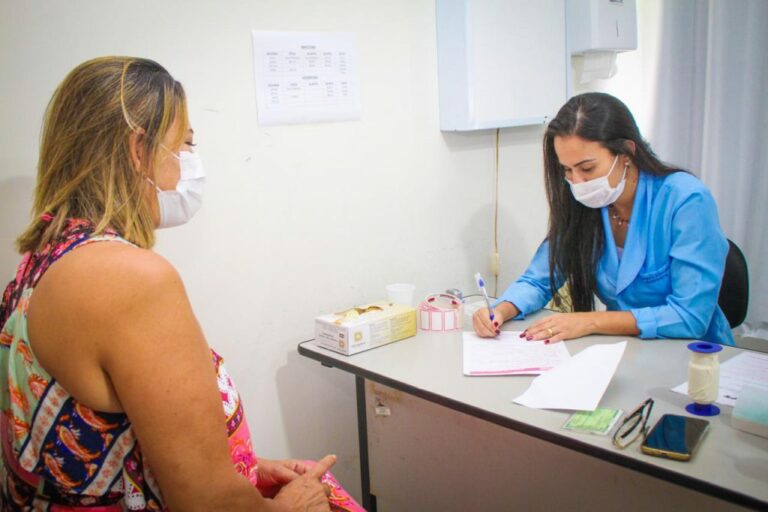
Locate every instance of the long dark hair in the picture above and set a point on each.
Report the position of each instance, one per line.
(576, 237)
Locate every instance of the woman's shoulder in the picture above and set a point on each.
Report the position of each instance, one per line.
(111, 273)
(120, 260)
(683, 181)
(679, 186)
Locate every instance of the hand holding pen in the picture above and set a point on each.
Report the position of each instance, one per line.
(486, 321)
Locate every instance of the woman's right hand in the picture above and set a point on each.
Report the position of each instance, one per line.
(307, 493)
(484, 326)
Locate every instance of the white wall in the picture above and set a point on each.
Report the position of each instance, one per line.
(297, 220)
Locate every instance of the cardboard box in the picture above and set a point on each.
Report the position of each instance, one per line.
(365, 327)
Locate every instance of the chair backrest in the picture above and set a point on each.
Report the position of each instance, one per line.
(734, 291)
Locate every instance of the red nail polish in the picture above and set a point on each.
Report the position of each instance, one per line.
(546, 342)
(529, 338)
(495, 323)
(522, 335)
(498, 331)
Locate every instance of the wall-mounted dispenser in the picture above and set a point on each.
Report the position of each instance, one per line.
(597, 31)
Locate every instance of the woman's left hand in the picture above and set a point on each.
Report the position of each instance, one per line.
(273, 474)
(561, 327)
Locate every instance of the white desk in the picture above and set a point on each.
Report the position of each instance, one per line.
(731, 466)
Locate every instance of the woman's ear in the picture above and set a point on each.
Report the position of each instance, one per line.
(137, 148)
(631, 148)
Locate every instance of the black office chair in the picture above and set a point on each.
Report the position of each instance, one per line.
(734, 290)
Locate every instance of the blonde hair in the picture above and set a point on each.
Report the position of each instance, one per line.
(85, 169)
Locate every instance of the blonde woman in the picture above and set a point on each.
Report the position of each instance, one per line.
(111, 398)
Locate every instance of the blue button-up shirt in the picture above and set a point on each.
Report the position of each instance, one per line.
(670, 270)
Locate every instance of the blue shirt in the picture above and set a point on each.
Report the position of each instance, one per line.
(671, 268)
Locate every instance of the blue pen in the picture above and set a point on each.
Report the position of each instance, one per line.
(481, 287)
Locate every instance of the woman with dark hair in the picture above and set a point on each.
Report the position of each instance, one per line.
(641, 236)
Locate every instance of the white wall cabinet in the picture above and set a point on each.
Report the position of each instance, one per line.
(501, 63)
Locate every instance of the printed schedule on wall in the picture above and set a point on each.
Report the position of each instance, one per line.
(305, 77)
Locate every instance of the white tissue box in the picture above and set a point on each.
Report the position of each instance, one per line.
(365, 327)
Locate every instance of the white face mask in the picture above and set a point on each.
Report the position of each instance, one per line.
(598, 192)
(179, 205)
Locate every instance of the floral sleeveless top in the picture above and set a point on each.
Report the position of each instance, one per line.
(58, 454)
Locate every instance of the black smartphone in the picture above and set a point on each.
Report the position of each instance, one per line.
(675, 437)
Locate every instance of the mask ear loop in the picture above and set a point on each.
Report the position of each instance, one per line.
(177, 157)
(624, 174)
(152, 183)
(613, 166)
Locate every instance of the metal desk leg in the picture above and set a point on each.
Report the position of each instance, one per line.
(369, 500)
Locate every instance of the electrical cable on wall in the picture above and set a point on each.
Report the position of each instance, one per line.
(495, 257)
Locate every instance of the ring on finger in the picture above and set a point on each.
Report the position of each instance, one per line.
(550, 331)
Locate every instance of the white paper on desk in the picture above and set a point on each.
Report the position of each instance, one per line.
(508, 354)
(579, 383)
(747, 368)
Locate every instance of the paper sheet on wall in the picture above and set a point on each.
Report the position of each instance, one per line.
(305, 77)
(747, 368)
(577, 384)
(508, 354)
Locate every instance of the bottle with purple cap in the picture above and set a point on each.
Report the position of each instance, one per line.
(703, 378)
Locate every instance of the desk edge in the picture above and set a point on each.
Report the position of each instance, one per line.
(709, 488)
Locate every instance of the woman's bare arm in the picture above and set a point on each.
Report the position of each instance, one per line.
(125, 311)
